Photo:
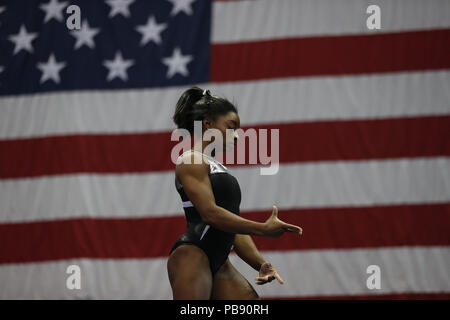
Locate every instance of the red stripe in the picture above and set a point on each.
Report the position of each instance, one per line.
(391, 296)
(330, 228)
(333, 55)
(299, 142)
(361, 139)
(366, 227)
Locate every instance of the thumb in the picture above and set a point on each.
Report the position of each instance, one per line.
(274, 211)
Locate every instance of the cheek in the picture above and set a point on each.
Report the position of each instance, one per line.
(230, 136)
(223, 135)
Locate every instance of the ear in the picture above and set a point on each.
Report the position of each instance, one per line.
(207, 123)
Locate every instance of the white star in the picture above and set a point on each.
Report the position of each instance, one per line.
(177, 63)
(181, 5)
(151, 31)
(53, 9)
(23, 40)
(85, 35)
(118, 67)
(1, 69)
(51, 69)
(119, 7)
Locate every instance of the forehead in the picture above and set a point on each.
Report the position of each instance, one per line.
(232, 117)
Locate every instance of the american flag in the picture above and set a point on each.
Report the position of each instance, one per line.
(86, 176)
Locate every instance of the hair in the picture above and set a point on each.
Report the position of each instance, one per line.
(198, 104)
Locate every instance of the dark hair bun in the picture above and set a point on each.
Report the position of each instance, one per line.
(185, 105)
(198, 104)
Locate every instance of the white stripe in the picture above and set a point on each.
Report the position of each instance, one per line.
(187, 204)
(100, 279)
(305, 185)
(87, 112)
(347, 183)
(306, 273)
(204, 231)
(340, 98)
(239, 21)
(343, 272)
(280, 100)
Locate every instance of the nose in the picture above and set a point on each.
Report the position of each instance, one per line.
(235, 136)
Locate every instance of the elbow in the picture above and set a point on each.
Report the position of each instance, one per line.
(209, 214)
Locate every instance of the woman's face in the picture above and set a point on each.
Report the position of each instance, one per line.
(229, 121)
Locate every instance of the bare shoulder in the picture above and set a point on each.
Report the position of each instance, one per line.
(191, 163)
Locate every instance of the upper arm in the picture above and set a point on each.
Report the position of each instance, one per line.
(196, 184)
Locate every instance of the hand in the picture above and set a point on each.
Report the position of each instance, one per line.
(267, 273)
(274, 227)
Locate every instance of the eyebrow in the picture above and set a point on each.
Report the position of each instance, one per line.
(235, 123)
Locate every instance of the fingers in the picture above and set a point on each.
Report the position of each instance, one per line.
(279, 278)
(286, 226)
(292, 228)
(263, 280)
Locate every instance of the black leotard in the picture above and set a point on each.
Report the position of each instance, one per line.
(216, 243)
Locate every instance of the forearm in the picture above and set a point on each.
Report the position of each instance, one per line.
(227, 221)
(246, 249)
